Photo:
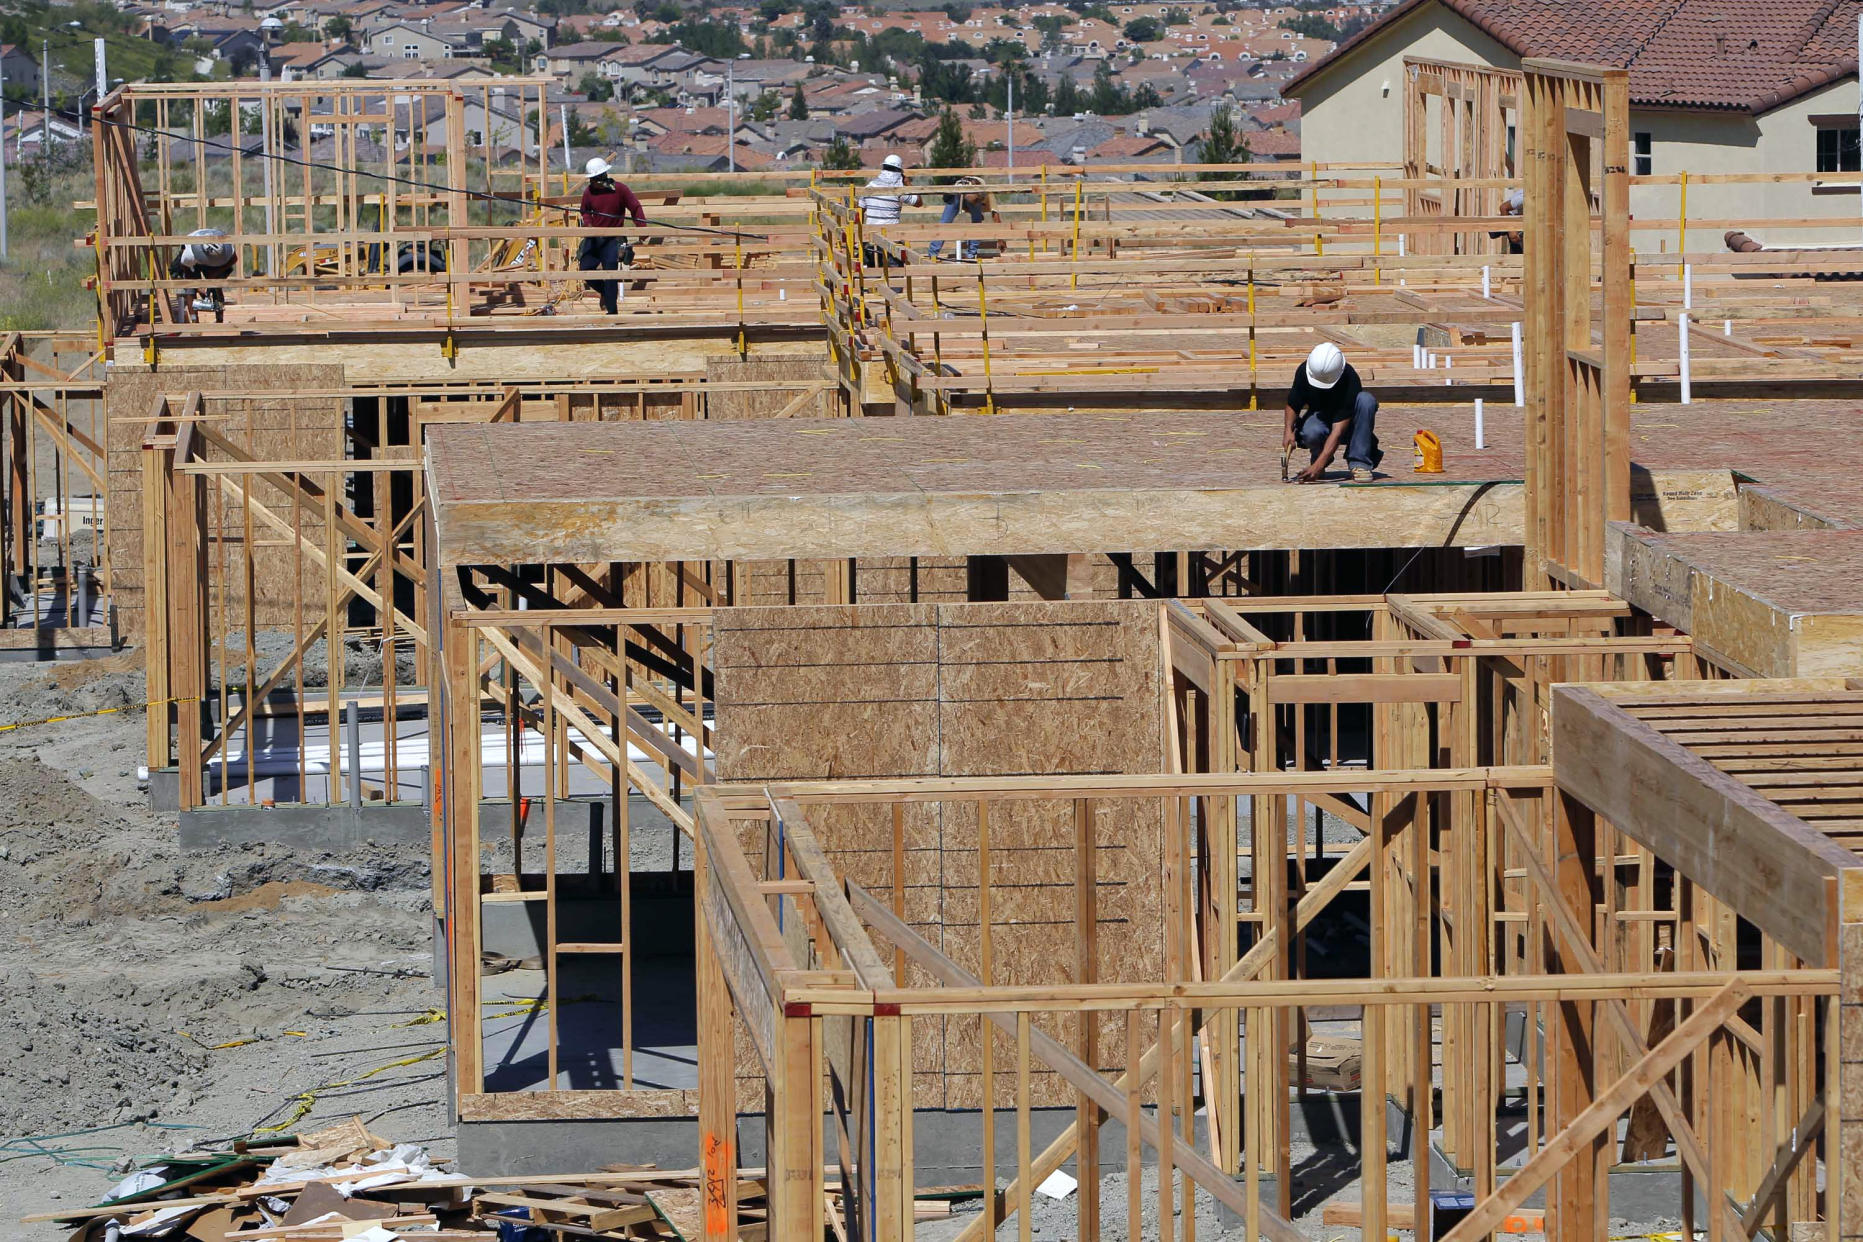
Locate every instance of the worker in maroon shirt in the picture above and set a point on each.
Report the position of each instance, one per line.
(606, 204)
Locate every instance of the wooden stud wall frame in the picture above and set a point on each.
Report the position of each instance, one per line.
(1577, 157)
(56, 486)
(806, 960)
(1420, 656)
(1468, 115)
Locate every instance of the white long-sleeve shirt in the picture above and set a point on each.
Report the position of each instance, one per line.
(884, 208)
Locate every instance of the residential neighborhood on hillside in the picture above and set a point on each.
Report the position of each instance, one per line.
(657, 85)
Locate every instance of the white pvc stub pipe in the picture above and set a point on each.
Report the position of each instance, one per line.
(1519, 397)
(1486, 287)
(1688, 286)
(1682, 321)
(1481, 439)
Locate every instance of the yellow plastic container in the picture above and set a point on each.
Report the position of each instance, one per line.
(1429, 452)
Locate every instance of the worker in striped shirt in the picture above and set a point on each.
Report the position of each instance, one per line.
(880, 205)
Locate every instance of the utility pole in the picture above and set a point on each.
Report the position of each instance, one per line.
(45, 83)
(1010, 111)
(2, 161)
(103, 83)
(731, 98)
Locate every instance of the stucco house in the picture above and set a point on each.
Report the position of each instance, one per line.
(1716, 86)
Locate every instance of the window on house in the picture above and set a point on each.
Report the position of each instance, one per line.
(410, 52)
(1641, 162)
(1838, 150)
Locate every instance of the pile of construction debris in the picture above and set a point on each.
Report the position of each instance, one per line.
(345, 1183)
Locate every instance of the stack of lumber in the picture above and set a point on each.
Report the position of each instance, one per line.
(345, 1184)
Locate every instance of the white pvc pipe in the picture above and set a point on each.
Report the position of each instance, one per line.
(1688, 286)
(1481, 439)
(1485, 287)
(1519, 397)
(1682, 321)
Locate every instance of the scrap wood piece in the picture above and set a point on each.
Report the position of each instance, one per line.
(208, 1172)
(597, 1216)
(681, 1207)
(216, 1224)
(321, 1199)
(350, 1134)
(1404, 1216)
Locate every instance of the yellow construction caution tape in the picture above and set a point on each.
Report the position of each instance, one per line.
(231, 1043)
(238, 1043)
(307, 1100)
(102, 711)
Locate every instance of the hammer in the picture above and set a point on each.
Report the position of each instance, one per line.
(1284, 465)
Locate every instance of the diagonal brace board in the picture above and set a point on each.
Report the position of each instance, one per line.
(1600, 1114)
(256, 696)
(1571, 937)
(1110, 1096)
(1306, 910)
(590, 730)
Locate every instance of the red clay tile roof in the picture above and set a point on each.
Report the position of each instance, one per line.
(1273, 144)
(1720, 54)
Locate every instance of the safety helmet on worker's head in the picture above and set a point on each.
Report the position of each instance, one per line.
(211, 250)
(1325, 365)
(597, 167)
(893, 162)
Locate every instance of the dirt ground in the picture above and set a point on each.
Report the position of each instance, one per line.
(158, 999)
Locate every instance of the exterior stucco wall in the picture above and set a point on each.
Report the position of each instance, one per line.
(1345, 116)
(1781, 141)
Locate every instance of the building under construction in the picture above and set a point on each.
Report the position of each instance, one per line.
(909, 734)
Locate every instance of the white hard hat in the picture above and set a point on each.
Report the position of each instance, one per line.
(1325, 365)
(892, 161)
(211, 251)
(596, 167)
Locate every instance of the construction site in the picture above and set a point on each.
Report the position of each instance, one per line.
(866, 742)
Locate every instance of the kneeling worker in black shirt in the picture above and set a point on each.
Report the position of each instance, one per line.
(1327, 407)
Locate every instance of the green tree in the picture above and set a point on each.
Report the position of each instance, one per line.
(1107, 97)
(949, 147)
(798, 105)
(1223, 145)
(1051, 28)
(1176, 16)
(338, 27)
(765, 106)
(1067, 97)
(1144, 30)
(502, 53)
(841, 156)
(1312, 26)
(595, 86)
(704, 37)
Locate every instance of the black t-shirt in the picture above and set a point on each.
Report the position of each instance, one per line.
(1332, 404)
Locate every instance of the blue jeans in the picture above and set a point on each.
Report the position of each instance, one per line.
(1361, 438)
(967, 249)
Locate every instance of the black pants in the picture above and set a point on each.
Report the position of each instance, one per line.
(602, 254)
